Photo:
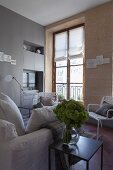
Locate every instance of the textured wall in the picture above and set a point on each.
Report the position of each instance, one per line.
(98, 36)
(14, 29)
(98, 41)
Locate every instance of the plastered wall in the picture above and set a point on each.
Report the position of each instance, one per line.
(14, 29)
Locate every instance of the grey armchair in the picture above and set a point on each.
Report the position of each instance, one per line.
(102, 119)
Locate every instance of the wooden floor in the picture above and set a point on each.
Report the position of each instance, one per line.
(107, 137)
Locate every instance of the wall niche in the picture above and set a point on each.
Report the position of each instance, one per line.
(33, 47)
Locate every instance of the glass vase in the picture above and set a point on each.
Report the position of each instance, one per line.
(71, 135)
(75, 135)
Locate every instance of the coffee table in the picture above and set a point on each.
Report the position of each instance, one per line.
(84, 150)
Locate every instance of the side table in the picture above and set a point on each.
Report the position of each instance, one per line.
(86, 148)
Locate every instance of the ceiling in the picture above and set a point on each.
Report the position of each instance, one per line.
(46, 12)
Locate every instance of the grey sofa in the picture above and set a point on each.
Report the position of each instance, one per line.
(18, 150)
(27, 152)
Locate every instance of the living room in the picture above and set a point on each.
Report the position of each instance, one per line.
(30, 47)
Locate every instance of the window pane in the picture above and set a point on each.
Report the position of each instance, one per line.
(61, 75)
(76, 91)
(31, 85)
(76, 61)
(76, 74)
(61, 45)
(76, 40)
(61, 63)
(31, 78)
(61, 89)
(24, 79)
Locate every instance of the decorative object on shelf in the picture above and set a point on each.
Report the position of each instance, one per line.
(73, 114)
(38, 51)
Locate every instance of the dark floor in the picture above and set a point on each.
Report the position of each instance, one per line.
(107, 137)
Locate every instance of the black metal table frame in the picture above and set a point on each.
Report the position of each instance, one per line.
(87, 161)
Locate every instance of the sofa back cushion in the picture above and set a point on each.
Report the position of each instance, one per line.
(7, 131)
(11, 113)
(46, 101)
(40, 118)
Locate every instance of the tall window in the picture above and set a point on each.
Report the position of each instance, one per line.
(68, 63)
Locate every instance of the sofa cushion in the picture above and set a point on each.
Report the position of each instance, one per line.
(46, 101)
(11, 113)
(7, 131)
(58, 129)
(38, 105)
(103, 110)
(39, 118)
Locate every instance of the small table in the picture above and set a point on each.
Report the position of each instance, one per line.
(86, 148)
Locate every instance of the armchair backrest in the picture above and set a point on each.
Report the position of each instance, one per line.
(108, 99)
(52, 95)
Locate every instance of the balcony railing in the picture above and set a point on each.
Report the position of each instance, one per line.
(76, 91)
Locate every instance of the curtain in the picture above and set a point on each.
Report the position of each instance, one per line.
(61, 46)
(76, 43)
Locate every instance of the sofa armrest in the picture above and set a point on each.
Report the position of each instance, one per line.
(92, 107)
(30, 151)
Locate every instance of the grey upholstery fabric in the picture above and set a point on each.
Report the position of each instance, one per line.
(40, 118)
(11, 113)
(28, 152)
(7, 131)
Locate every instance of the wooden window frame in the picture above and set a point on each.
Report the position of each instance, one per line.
(68, 62)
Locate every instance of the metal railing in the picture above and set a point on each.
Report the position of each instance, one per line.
(76, 91)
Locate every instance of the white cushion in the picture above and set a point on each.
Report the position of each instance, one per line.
(11, 113)
(39, 118)
(7, 131)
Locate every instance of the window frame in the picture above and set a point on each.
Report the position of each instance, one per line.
(68, 62)
(28, 84)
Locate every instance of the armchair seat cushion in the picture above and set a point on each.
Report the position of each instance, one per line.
(96, 116)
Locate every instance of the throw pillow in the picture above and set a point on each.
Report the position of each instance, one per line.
(7, 131)
(11, 113)
(58, 129)
(40, 118)
(38, 105)
(103, 110)
(110, 115)
(46, 101)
